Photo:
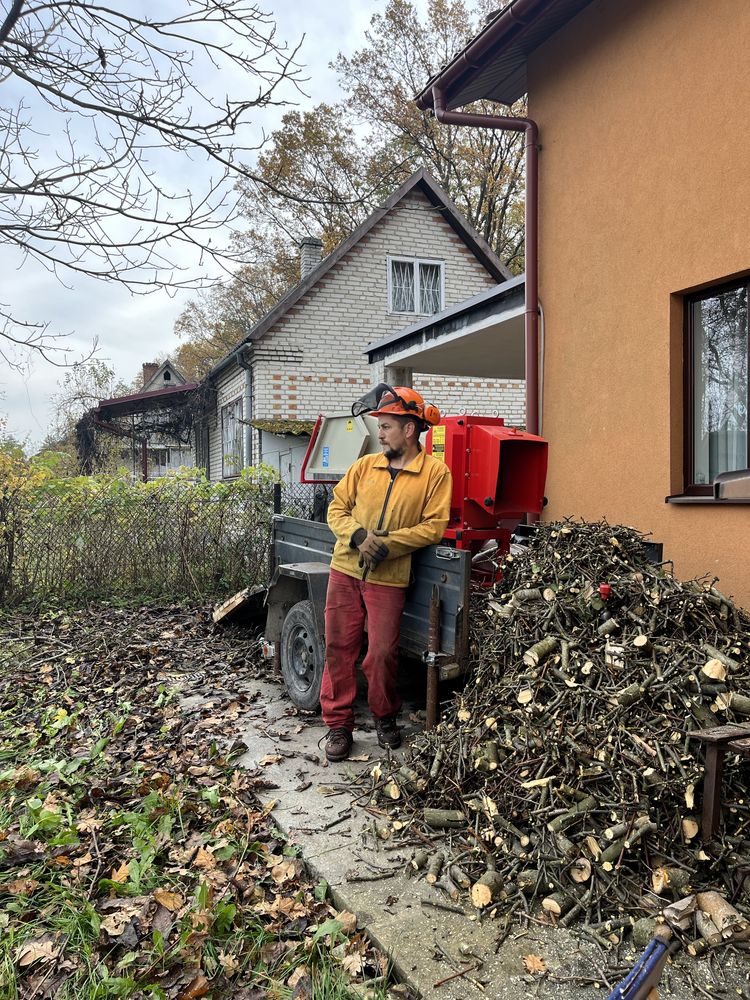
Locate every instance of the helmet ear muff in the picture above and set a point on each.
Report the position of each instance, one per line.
(431, 414)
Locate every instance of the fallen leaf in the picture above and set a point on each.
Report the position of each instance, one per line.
(120, 874)
(354, 964)
(283, 871)
(39, 949)
(172, 900)
(348, 921)
(299, 973)
(534, 964)
(270, 758)
(229, 963)
(20, 886)
(197, 987)
(204, 858)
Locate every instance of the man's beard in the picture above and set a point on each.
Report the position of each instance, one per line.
(391, 453)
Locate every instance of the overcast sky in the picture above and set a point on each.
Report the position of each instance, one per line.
(133, 329)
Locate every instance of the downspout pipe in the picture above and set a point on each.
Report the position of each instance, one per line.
(531, 248)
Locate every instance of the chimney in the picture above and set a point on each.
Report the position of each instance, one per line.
(150, 368)
(310, 253)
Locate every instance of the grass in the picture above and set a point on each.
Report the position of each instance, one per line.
(135, 860)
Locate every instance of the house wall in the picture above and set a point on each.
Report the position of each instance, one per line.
(313, 357)
(644, 192)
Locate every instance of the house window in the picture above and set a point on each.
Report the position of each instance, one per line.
(231, 439)
(717, 384)
(415, 286)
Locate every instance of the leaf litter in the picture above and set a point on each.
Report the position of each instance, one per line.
(135, 859)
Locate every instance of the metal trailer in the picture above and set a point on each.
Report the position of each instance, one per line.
(434, 626)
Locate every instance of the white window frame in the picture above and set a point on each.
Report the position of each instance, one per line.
(415, 262)
(232, 473)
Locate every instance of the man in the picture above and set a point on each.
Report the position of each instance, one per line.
(384, 508)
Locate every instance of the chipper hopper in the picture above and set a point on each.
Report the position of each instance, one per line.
(498, 483)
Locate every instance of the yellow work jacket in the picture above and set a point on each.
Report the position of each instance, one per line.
(413, 508)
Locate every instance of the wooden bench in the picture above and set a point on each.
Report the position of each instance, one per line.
(718, 740)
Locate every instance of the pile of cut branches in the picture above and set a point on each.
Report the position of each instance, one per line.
(134, 858)
(564, 775)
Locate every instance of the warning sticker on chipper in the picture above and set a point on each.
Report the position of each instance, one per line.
(438, 443)
(326, 454)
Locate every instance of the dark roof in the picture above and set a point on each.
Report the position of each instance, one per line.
(140, 402)
(493, 65)
(431, 189)
(477, 305)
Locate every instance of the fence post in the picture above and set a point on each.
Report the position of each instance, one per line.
(277, 498)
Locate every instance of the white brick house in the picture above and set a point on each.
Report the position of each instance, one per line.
(415, 256)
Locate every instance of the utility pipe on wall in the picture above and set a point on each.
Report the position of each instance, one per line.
(531, 289)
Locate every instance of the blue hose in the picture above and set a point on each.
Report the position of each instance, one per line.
(645, 974)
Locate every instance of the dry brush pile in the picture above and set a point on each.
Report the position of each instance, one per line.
(563, 777)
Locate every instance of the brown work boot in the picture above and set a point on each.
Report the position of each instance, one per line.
(389, 735)
(338, 744)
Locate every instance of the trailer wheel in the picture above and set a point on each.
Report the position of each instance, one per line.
(302, 656)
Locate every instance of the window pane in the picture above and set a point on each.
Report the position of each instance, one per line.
(429, 288)
(402, 286)
(720, 384)
(231, 438)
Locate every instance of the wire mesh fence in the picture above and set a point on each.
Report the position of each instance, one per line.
(168, 543)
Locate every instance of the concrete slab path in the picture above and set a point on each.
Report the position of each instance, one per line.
(315, 808)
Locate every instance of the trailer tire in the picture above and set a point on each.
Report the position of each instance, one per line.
(302, 657)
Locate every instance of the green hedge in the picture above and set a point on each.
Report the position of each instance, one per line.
(108, 536)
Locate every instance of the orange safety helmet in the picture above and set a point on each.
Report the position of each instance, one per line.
(403, 402)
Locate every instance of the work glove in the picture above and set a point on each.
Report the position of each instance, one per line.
(372, 551)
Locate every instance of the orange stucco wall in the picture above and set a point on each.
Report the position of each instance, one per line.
(644, 193)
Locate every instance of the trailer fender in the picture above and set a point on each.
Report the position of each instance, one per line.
(292, 583)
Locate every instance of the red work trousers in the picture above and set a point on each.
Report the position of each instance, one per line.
(348, 603)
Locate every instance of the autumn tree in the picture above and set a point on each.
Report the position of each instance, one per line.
(106, 106)
(481, 169)
(325, 169)
(80, 389)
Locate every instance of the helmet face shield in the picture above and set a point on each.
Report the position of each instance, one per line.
(402, 401)
(371, 399)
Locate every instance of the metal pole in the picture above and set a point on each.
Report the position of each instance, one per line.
(433, 648)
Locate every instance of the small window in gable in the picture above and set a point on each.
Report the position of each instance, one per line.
(167, 376)
(231, 439)
(415, 286)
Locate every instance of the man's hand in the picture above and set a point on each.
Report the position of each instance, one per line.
(372, 551)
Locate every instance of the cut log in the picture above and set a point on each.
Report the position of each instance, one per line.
(643, 645)
(487, 889)
(629, 695)
(419, 860)
(738, 703)
(579, 810)
(643, 931)
(540, 651)
(707, 928)
(580, 870)
(443, 819)
(459, 876)
(690, 827)
(557, 904)
(714, 670)
(434, 868)
(677, 880)
(716, 654)
(727, 919)
(527, 881)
